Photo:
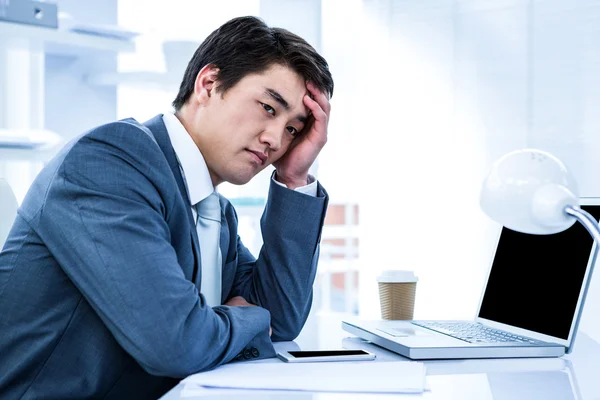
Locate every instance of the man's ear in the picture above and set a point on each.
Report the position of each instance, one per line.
(206, 83)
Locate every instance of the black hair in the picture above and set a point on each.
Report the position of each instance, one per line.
(246, 45)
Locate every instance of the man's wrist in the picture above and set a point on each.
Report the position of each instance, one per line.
(292, 183)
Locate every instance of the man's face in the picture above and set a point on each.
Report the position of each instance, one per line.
(252, 124)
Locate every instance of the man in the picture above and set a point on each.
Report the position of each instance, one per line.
(108, 287)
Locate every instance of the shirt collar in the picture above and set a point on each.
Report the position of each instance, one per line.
(192, 163)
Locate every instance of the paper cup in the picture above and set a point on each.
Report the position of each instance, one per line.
(397, 291)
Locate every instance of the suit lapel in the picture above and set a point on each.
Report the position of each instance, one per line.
(159, 130)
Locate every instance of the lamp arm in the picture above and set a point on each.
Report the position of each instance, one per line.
(586, 220)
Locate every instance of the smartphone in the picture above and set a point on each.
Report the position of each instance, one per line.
(325, 355)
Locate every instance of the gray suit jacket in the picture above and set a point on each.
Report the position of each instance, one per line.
(100, 274)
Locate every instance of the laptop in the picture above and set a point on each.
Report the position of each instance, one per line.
(535, 315)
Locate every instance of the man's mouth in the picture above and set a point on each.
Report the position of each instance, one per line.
(260, 156)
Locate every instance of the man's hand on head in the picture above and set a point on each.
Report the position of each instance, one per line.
(292, 168)
(239, 301)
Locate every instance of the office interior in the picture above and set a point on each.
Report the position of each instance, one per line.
(427, 95)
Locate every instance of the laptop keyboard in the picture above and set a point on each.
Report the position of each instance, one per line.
(473, 332)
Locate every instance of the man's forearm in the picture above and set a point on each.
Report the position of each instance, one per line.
(287, 265)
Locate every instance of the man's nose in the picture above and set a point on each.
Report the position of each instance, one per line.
(272, 136)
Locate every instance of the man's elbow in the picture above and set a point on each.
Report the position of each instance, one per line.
(284, 337)
(289, 327)
(177, 364)
(288, 330)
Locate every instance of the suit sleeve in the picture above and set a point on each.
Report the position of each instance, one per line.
(105, 221)
(281, 279)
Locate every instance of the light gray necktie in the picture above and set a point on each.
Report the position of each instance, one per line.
(208, 226)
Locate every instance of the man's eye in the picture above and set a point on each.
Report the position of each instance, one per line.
(268, 108)
(292, 130)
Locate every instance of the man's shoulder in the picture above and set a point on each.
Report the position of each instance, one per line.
(123, 129)
(112, 144)
(123, 136)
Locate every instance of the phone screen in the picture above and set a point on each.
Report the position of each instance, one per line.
(326, 353)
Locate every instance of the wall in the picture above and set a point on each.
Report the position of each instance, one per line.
(433, 93)
(72, 105)
(56, 97)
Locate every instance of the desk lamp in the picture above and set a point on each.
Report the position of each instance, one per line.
(531, 191)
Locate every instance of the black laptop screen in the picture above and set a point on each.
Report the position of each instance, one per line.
(535, 280)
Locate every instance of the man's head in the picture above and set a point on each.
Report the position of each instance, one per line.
(247, 45)
(241, 96)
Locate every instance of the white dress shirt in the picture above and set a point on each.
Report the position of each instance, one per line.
(195, 171)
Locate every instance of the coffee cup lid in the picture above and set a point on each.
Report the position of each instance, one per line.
(397, 276)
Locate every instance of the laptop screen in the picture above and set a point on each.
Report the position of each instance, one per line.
(535, 280)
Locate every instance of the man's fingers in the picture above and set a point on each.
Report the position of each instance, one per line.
(320, 97)
(317, 111)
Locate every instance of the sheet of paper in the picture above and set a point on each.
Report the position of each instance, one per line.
(343, 377)
(194, 390)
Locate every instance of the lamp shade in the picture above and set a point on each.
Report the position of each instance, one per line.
(527, 191)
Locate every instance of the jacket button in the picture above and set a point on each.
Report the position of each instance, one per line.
(239, 357)
(247, 354)
(255, 352)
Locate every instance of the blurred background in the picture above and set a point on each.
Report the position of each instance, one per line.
(427, 95)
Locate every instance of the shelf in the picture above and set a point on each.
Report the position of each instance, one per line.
(28, 144)
(160, 80)
(61, 42)
(40, 154)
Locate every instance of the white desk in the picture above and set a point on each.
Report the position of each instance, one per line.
(573, 377)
